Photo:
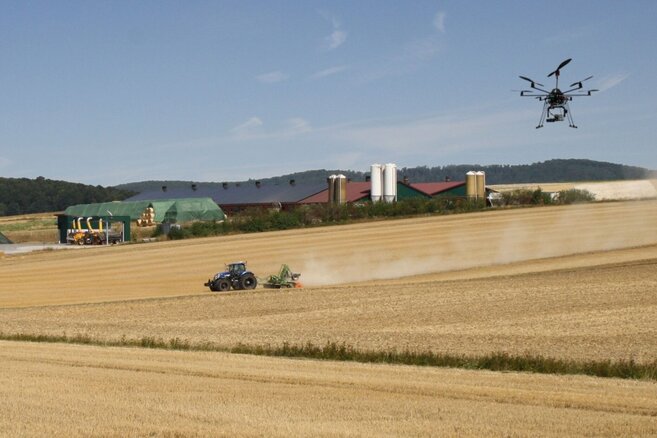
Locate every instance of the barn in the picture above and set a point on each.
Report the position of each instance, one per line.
(235, 197)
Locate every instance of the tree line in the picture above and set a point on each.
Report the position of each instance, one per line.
(558, 170)
(24, 195)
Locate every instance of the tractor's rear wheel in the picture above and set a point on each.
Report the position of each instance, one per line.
(248, 281)
(222, 285)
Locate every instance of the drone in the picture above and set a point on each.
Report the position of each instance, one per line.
(555, 106)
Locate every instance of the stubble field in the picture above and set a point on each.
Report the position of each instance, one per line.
(566, 282)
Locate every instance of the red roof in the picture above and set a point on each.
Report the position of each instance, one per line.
(355, 192)
(433, 188)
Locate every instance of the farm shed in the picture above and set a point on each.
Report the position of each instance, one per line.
(67, 226)
(165, 210)
(360, 191)
(4, 239)
(233, 197)
(449, 189)
(356, 191)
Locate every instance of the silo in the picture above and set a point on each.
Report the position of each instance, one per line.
(376, 181)
(481, 184)
(390, 182)
(340, 189)
(331, 188)
(471, 184)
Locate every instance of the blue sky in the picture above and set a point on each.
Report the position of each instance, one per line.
(109, 92)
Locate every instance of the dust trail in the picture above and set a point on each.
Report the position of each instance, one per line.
(454, 243)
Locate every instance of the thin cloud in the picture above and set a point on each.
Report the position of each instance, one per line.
(611, 81)
(252, 130)
(329, 72)
(247, 127)
(272, 77)
(422, 49)
(297, 125)
(338, 37)
(439, 21)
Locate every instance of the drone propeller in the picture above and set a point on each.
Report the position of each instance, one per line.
(531, 80)
(562, 65)
(580, 82)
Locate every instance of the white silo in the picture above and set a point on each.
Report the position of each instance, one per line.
(390, 182)
(331, 188)
(340, 189)
(376, 181)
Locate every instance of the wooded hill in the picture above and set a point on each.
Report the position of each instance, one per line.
(543, 172)
(24, 196)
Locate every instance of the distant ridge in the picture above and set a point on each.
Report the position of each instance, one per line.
(558, 170)
(39, 195)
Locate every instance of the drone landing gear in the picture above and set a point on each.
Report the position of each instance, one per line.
(571, 123)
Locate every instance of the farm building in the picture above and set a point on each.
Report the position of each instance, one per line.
(87, 219)
(164, 210)
(4, 239)
(448, 189)
(234, 197)
(358, 191)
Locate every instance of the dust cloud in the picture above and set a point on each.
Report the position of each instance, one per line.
(470, 241)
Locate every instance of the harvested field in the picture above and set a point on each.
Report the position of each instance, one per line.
(69, 390)
(564, 282)
(328, 255)
(602, 190)
(596, 312)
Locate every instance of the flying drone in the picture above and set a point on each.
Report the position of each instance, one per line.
(555, 106)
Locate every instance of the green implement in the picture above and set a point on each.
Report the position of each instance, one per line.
(284, 278)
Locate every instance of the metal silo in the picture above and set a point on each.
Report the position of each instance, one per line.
(340, 189)
(390, 182)
(471, 184)
(481, 184)
(376, 180)
(331, 188)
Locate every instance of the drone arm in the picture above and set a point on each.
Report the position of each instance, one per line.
(588, 93)
(530, 93)
(540, 89)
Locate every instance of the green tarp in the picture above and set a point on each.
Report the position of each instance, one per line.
(4, 239)
(168, 210)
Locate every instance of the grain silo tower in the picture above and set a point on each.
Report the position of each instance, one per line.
(376, 181)
(331, 188)
(340, 194)
(390, 183)
(481, 184)
(471, 184)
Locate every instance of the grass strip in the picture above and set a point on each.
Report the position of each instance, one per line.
(624, 369)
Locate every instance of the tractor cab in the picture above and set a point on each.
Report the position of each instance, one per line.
(237, 268)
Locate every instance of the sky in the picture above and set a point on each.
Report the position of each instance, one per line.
(111, 92)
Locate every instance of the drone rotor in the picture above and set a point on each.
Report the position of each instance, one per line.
(580, 82)
(562, 65)
(531, 80)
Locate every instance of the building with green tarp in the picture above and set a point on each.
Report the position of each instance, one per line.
(4, 239)
(164, 210)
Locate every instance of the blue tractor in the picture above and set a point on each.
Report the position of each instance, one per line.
(236, 277)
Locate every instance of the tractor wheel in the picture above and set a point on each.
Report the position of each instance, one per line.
(248, 281)
(222, 285)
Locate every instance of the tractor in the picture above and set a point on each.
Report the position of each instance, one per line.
(236, 277)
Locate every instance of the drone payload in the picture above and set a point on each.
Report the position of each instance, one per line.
(555, 102)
